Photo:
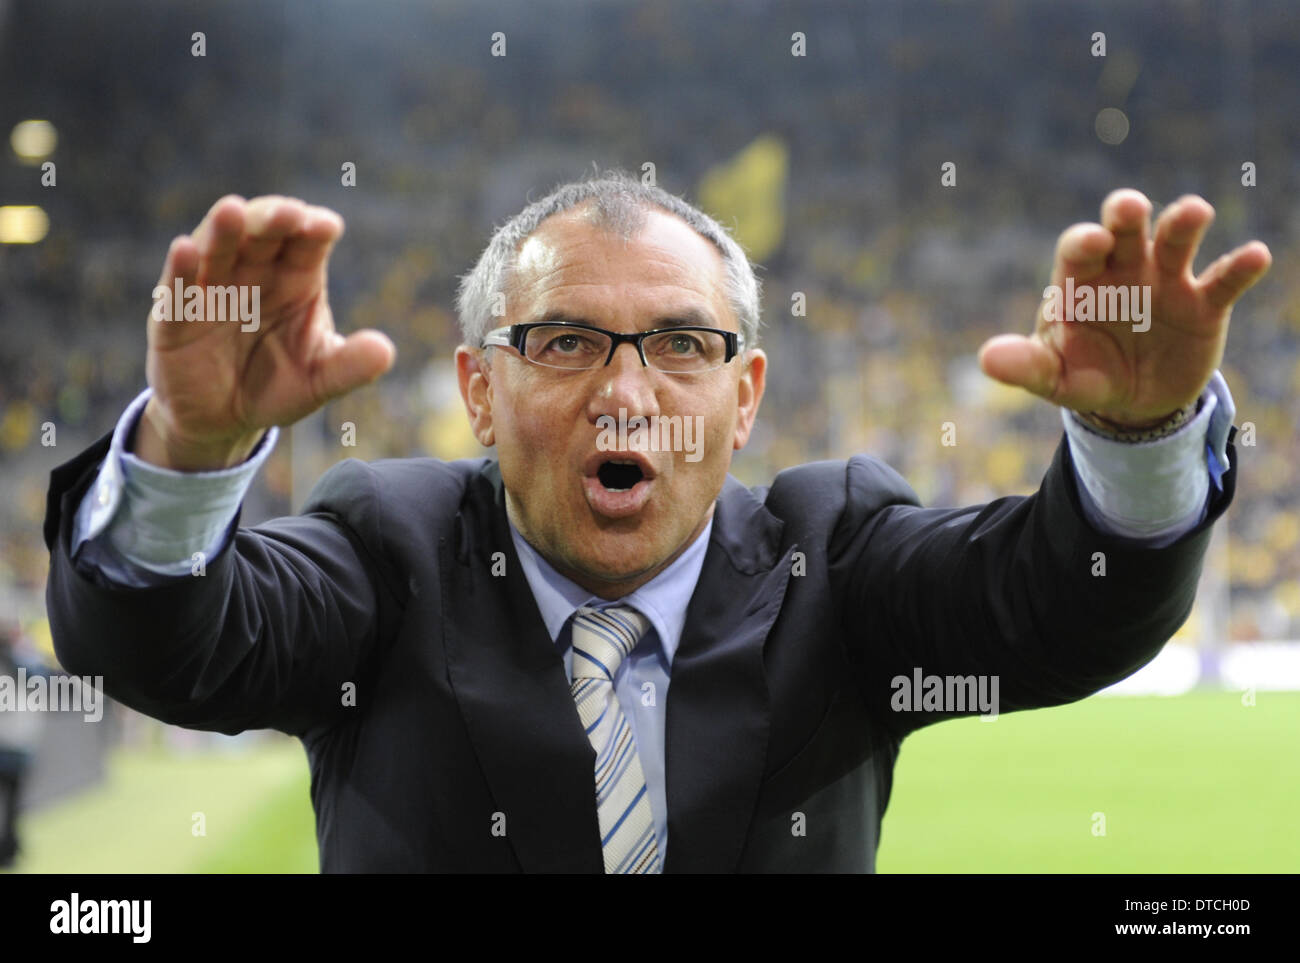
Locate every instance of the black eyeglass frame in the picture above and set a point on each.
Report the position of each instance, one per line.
(516, 336)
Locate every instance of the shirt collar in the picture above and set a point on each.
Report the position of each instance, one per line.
(662, 600)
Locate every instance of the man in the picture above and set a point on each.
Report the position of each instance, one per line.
(581, 657)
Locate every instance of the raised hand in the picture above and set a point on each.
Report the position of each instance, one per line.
(218, 384)
(1131, 372)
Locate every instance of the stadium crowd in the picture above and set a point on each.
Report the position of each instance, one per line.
(902, 276)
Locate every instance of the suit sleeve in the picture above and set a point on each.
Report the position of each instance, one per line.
(268, 636)
(1013, 589)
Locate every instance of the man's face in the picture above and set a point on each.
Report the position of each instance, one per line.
(546, 422)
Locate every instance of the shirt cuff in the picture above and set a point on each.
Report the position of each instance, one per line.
(1155, 491)
(139, 519)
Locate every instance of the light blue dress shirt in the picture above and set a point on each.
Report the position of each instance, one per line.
(140, 525)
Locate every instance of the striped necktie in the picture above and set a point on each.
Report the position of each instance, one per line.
(601, 640)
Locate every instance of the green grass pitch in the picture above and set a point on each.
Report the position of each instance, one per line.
(1194, 784)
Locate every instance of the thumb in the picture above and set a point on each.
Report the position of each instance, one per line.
(1023, 363)
(353, 361)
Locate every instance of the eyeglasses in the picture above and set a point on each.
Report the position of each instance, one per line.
(684, 349)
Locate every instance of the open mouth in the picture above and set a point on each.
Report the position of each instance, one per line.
(618, 484)
(619, 476)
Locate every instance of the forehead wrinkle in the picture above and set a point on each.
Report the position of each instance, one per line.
(676, 305)
(563, 273)
(577, 232)
(585, 256)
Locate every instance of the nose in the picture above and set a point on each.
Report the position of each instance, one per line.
(624, 383)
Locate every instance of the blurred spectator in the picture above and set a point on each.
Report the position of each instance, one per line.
(20, 730)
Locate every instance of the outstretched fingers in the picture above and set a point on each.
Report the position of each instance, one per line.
(217, 239)
(1081, 253)
(351, 362)
(182, 260)
(1022, 362)
(1126, 213)
(1179, 231)
(268, 223)
(1231, 275)
(308, 247)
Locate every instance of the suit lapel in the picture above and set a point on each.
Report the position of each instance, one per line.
(509, 681)
(719, 711)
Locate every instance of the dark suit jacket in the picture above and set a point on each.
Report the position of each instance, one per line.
(463, 726)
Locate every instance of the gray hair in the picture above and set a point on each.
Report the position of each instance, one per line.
(621, 205)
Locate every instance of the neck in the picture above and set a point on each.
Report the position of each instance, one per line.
(609, 589)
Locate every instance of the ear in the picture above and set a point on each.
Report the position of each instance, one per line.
(749, 394)
(473, 374)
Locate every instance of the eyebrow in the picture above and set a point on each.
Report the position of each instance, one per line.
(688, 317)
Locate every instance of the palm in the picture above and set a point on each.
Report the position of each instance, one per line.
(1106, 367)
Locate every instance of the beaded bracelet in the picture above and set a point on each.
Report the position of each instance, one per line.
(1107, 429)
